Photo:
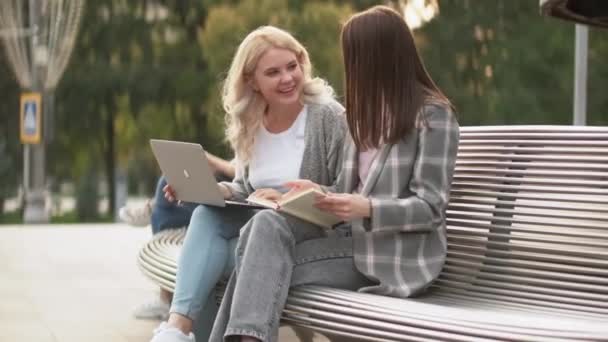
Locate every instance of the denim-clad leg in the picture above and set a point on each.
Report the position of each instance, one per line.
(273, 253)
(206, 255)
(168, 215)
(258, 287)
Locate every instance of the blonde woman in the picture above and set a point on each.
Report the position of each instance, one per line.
(283, 124)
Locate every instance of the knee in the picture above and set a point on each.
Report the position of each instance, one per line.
(204, 217)
(268, 223)
(199, 212)
(267, 217)
(205, 212)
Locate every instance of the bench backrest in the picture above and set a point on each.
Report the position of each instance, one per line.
(528, 218)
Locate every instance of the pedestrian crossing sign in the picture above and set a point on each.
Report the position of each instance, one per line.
(30, 118)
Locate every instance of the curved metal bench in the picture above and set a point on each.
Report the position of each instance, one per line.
(527, 249)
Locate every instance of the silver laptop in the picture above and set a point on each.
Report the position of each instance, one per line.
(186, 169)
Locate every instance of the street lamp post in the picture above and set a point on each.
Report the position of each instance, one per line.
(585, 13)
(581, 48)
(38, 46)
(35, 210)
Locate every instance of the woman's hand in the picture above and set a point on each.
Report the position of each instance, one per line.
(348, 207)
(267, 194)
(169, 193)
(299, 185)
(225, 191)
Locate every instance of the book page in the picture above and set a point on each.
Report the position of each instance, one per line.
(263, 202)
(302, 206)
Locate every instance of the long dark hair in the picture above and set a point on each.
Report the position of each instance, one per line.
(386, 82)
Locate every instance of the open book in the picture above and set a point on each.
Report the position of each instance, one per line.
(301, 206)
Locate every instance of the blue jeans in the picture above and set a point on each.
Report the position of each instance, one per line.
(207, 254)
(276, 252)
(168, 215)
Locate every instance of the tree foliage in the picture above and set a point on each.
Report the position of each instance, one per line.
(316, 25)
(503, 63)
(153, 69)
(10, 147)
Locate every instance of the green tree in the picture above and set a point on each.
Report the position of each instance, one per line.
(153, 69)
(503, 63)
(10, 147)
(316, 24)
(135, 74)
(318, 27)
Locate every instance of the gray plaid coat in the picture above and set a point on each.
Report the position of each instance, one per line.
(402, 245)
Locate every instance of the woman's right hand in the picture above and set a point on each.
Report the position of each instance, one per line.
(225, 191)
(299, 185)
(169, 193)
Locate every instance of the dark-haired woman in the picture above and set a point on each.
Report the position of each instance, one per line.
(392, 191)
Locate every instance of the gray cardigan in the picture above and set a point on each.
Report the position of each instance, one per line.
(322, 158)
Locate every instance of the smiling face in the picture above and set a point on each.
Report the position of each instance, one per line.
(278, 77)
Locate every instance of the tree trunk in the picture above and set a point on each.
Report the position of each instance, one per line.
(110, 163)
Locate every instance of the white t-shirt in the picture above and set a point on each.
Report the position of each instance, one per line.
(277, 158)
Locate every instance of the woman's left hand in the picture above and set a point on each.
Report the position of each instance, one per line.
(348, 207)
(267, 194)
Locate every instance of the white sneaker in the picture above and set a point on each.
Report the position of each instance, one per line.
(156, 309)
(165, 333)
(136, 216)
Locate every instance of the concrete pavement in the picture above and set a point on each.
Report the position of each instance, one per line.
(64, 283)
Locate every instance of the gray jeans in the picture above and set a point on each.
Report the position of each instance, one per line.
(274, 253)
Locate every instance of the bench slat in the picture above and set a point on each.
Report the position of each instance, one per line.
(525, 254)
(538, 238)
(591, 225)
(602, 218)
(591, 282)
(602, 194)
(517, 181)
(535, 157)
(501, 276)
(536, 265)
(593, 201)
(521, 203)
(518, 296)
(514, 165)
(524, 171)
(467, 141)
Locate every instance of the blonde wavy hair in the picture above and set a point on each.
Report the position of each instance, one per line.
(245, 107)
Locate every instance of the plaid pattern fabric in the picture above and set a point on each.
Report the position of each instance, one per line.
(403, 245)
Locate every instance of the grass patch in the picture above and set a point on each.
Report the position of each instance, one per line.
(11, 217)
(72, 217)
(15, 217)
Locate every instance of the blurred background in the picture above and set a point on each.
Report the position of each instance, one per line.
(153, 69)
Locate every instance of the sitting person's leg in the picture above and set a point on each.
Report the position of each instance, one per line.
(158, 212)
(328, 262)
(165, 211)
(205, 256)
(168, 215)
(136, 215)
(165, 215)
(265, 258)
